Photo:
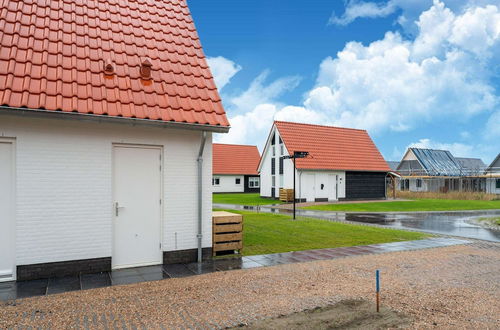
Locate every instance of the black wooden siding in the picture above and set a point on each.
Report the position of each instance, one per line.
(360, 185)
(247, 188)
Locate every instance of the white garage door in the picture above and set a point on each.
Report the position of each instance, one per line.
(137, 208)
(7, 228)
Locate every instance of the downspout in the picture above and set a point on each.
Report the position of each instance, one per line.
(199, 160)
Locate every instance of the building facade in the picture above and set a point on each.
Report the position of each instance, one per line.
(334, 169)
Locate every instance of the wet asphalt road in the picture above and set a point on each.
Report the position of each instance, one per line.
(446, 223)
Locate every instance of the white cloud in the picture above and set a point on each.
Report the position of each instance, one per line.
(360, 9)
(492, 129)
(222, 70)
(456, 149)
(250, 127)
(259, 92)
(398, 84)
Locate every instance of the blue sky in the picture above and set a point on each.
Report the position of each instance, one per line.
(411, 72)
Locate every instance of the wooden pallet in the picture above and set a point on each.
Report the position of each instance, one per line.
(227, 232)
(286, 195)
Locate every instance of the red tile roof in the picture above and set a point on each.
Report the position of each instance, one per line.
(235, 159)
(53, 56)
(332, 148)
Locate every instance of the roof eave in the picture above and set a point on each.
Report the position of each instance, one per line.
(41, 113)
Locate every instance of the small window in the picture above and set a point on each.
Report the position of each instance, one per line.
(498, 183)
(419, 183)
(253, 182)
(281, 165)
(237, 181)
(273, 181)
(273, 166)
(282, 150)
(215, 181)
(274, 151)
(281, 181)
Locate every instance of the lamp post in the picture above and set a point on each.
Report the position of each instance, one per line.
(296, 154)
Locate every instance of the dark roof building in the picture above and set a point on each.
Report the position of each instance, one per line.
(471, 166)
(429, 162)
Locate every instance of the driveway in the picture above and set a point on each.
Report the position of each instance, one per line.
(454, 223)
(448, 287)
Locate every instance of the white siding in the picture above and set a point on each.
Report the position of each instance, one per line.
(64, 188)
(227, 183)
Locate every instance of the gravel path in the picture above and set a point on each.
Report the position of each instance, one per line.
(451, 287)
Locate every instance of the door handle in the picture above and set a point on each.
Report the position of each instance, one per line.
(117, 207)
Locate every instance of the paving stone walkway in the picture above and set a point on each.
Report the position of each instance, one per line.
(24, 289)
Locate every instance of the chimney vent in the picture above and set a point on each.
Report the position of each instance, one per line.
(109, 67)
(146, 69)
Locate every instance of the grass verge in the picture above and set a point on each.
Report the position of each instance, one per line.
(410, 206)
(266, 233)
(243, 199)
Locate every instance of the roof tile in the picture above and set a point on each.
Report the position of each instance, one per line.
(332, 148)
(53, 53)
(235, 159)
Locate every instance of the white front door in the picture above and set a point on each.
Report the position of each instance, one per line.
(322, 186)
(137, 206)
(7, 227)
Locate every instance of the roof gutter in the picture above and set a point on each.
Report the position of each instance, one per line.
(40, 113)
(199, 160)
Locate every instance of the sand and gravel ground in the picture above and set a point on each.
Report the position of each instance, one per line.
(451, 287)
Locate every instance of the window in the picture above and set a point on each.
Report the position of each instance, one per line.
(253, 182)
(498, 183)
(215, 181)
(273, 181)
(281, 181)
(281, 165)
(273, 166)
(274, 151)
(273, 140)
(419, 183)
(282, 149)
(237, 181)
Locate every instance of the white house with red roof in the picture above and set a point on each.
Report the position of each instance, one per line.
(235, 168)
(107, 110)
(342, 163)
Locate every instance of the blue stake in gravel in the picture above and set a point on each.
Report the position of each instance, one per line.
(377, 277)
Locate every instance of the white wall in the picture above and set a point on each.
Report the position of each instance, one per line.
(227, 183)
(64, 191)
(491, 186)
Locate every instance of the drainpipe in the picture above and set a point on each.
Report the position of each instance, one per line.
(200, 194)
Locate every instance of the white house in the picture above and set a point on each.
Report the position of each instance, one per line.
(493, 176)
(235, 168)
(105, 138)
(343, 163)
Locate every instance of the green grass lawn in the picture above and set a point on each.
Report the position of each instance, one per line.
(491, 220)
(271, 233)
(243, 199)
(409, 206)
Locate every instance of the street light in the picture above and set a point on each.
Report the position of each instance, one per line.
(296, 154)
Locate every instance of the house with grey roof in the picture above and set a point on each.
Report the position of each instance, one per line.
(471, 166)
(425, 170)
